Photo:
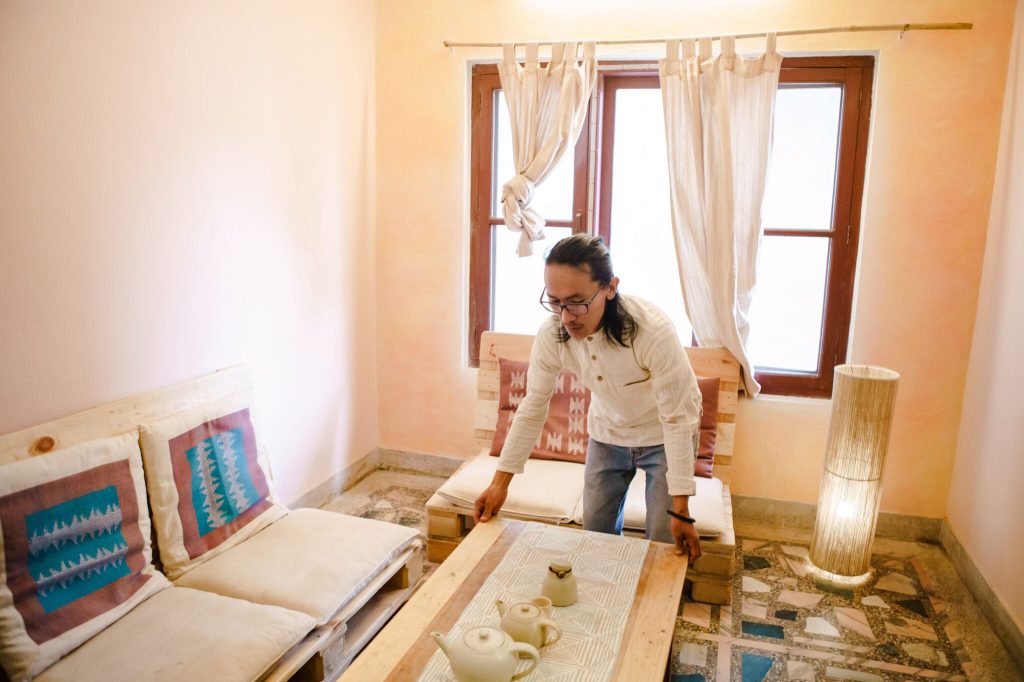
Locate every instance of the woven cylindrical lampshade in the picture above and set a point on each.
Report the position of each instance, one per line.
(863, 399)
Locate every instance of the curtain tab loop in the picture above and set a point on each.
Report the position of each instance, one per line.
(689, 48)
(672, 50)
(728, 46)
(531, 56)
(558, 55)
(705, 49)
(509, 53)
(770, 47)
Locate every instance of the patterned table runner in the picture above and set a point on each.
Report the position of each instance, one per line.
(607, 569)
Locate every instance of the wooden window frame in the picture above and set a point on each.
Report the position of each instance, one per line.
(855, 74)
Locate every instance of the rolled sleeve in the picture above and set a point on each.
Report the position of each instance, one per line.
(678, 400)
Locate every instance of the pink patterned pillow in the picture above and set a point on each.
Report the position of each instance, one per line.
(208, 483)
(564, 435)
(74, 549)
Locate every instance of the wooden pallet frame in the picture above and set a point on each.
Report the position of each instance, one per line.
(326, 651)
(710, 577)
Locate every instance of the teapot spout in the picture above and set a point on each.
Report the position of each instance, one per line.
(442, 642)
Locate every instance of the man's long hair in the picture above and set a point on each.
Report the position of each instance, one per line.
(589, 254)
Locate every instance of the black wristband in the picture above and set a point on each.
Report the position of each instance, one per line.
(675, 515)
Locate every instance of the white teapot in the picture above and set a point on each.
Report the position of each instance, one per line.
(525, 622)
(485, 654)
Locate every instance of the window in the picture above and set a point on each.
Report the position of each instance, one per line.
(616, 184)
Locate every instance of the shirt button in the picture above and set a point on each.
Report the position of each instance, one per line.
(600, 378)
(593, 357)
(590, 338)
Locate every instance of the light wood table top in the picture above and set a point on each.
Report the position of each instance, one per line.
(401, 650)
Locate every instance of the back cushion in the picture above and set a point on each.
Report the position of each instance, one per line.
(76, 552)
(708, 426)
(564, 435)
(208, 482)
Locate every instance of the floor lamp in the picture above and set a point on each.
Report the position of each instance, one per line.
(863, 399)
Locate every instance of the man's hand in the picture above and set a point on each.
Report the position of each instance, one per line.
(687, 540)
(491, 499)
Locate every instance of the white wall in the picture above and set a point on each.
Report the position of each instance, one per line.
(986, 504)
(184, 186)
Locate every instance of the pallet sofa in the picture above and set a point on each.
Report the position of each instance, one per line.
(551, 491)
(256, 592)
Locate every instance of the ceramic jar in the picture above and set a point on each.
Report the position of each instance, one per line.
(560, 584)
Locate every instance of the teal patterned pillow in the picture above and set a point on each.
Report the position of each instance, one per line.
(76, 552)
(208, 483)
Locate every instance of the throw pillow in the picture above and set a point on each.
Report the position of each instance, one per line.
(208, 483)
(75, 551)
(705, 458)
(564, 435)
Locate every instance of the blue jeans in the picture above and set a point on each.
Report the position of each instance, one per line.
(607, 474)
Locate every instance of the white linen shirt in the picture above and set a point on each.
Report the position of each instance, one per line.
(640, 396)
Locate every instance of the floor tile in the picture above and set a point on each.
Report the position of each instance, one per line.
(763, 630)
(855, 620)
(755, 667)
(819, 626)
(896, 582)
(804, 600)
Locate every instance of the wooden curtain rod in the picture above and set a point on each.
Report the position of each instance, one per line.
(955, 26)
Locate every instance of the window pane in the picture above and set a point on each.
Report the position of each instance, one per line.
(643, 251)
(786, 313)
(802, 173)
(519, 281)
(553, 197)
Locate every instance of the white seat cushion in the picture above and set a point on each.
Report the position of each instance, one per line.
(312, 561)
(182, 634)
(707, 506)
(547, 490)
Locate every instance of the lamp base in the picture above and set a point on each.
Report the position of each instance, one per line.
(836, 580)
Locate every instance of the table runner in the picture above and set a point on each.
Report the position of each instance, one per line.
(607, 569)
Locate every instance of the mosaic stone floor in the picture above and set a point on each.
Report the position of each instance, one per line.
(786, 625)
(914, 620)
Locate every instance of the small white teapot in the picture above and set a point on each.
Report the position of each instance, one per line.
(525, 622)
(485, 654)
(560, 584)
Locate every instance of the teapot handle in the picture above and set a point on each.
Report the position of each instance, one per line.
(548, 625)
(528, 650)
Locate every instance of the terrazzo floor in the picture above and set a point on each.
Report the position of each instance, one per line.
(914, 620)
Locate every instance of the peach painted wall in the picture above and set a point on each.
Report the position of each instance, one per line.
(931, 165)
(986, 508)
(186, 186)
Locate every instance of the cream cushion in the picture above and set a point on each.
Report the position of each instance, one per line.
(552, 491)
(208, 480)
(706, 507)
(548, 490)
(312, 561)
(182, 634)
(75, 551)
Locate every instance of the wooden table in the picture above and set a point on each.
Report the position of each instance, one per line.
(401, 650)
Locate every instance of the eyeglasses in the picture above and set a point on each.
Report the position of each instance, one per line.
(574, 308)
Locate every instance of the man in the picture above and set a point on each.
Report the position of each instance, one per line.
(645, 404)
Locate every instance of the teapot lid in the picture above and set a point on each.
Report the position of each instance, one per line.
(484, 639)
(560, 566)
(524, 611)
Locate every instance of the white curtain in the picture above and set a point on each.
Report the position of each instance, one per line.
(547, 107)
(718, 127)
